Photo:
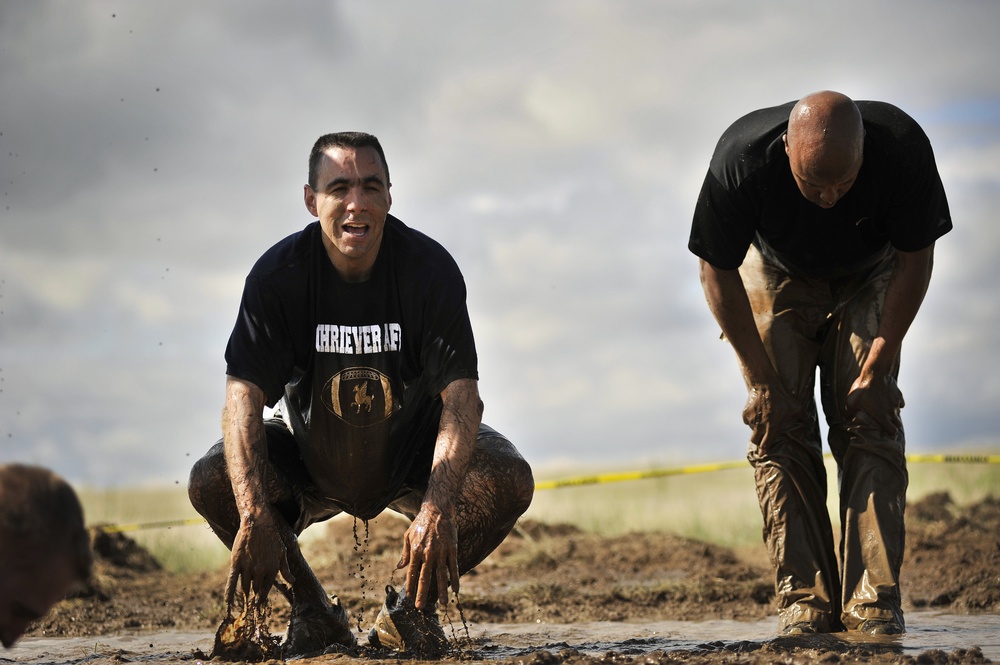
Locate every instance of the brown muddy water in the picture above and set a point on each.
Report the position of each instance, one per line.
(927, 630)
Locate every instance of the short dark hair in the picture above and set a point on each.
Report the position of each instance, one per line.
(343, 140)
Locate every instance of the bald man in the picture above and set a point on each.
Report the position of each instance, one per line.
(44, 547)
(815, 230)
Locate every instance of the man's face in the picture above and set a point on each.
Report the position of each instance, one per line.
(351, 200)
(30, 584)
(823, 174)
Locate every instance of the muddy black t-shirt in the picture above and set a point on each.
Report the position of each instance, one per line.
(749, 196)
(360, 365)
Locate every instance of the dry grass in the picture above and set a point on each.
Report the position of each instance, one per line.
(178, 548)
(718, 507)
(721, 507)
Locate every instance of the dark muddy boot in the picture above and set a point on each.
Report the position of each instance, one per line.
(802, 628)
(312, 630)
(400, 626)
(881, 627)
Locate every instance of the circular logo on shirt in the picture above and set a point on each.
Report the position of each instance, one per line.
(360, 396)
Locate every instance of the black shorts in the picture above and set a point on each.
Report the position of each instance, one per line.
(302, 504)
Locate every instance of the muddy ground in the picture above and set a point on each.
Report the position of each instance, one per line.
(558, 574)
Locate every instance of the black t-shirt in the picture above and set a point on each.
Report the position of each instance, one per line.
(360, 365)
(749, 196)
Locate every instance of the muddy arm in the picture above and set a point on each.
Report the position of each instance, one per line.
(258, 551)
(430, 545)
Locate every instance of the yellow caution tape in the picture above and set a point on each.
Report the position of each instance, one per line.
(601, 479)
(121, 528)
(637, 475)
(704, 468)
(975, 459)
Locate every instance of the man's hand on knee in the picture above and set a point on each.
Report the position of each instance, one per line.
(771, 411)
(878, 398)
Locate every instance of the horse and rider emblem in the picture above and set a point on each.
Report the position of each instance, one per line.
(360, 396)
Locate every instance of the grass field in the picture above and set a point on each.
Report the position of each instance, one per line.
(178, 548)
(718, 507)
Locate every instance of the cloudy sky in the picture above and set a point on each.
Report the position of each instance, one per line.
(150, 152)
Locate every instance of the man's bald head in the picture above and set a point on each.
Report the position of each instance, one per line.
(825, 145)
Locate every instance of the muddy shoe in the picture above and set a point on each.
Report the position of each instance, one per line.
(801, 628)
(881, 627)
(400, 626)
(311, 630)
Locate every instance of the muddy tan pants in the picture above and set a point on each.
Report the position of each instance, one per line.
(827, 324)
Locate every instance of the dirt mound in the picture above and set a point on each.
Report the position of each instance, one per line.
(582, 577)
(116, 557)
(121, 552)
(559, 574)
(953, 556)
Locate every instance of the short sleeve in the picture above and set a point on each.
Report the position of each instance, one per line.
(259, 348)
(919, 213)
(448, 347)
(724, 224)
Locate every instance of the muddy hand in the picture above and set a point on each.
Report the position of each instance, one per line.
(430, 549)
(771, 408)
(259, 553)
(880, 399)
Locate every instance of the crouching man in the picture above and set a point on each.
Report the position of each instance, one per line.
(359, 325)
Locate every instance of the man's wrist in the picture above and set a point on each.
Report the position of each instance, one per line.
(436, 508)
(256, 514)
(879, 361)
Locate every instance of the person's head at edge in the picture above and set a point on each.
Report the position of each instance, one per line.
(44, 546)
(348, 191)
(825, 146)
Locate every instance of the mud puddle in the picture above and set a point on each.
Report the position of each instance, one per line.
(927, 630)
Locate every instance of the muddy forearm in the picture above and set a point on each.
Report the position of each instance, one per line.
(727, 298)
(245, 445)
(908, 284)
(461, 414)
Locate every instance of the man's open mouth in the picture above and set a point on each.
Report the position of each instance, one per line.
(355, 229)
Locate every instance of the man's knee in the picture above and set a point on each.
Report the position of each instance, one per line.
(525, 484)
(208, 476)
(499, 458)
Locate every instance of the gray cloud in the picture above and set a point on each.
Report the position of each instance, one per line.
(149, 153)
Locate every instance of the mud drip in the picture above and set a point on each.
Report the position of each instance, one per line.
(361, 549)
(458, 641)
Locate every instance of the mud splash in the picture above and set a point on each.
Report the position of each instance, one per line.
(246, 637)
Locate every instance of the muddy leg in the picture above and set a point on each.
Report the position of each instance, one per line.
(497, 490)
(872, 503)
(791, 316)
(791, 487)
(871, 465)
(210, 492)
